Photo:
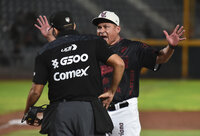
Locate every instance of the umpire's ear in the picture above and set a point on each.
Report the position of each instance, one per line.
(74, 26)
(55, 31)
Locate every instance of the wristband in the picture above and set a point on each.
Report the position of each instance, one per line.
(172, 47)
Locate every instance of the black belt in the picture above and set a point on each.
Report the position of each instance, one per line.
(121, 105)
(87, 99)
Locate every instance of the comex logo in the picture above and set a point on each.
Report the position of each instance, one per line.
(73, 47)
(70, 74)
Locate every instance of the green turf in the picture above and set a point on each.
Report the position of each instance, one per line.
(13, 95)
(170, 95)
(170, 133)
(143, 133)
(25, 133)
(174, 95)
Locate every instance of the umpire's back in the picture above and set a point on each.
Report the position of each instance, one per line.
(70, 64)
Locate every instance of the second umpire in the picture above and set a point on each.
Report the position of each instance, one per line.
(70, 65)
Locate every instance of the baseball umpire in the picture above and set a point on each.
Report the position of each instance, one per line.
(70, 65)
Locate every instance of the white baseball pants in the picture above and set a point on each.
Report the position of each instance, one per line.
(126, 120)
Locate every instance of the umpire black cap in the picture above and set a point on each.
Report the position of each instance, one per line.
(62, 20)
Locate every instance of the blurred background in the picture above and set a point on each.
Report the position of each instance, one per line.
(142, 20)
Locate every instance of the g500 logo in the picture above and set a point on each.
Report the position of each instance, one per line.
(70, 59)
(73, 59)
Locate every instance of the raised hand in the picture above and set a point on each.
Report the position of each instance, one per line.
(45, 29)
(176, 36)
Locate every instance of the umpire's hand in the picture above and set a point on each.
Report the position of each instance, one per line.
(45, 29)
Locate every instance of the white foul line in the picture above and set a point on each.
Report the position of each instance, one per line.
(12, 122)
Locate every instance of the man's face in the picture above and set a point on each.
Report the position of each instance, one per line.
(109, 32)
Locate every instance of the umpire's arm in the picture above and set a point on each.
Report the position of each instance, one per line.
(33, 96)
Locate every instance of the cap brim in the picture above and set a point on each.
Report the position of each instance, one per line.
(99, 20)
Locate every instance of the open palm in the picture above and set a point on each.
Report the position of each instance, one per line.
(176, 36)
(44, 27)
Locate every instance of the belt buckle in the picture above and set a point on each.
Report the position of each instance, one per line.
(117, 106)
(123, 104)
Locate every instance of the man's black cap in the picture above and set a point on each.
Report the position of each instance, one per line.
(62, 20)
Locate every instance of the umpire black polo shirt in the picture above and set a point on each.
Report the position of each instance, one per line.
(70, 65)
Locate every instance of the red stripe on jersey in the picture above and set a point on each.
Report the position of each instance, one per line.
(131, 82)
(106, 69)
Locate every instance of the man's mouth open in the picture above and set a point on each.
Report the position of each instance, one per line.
(105, 37)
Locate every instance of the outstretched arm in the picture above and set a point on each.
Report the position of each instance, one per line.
(118, 69)
(45, 29)
(173, 40)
